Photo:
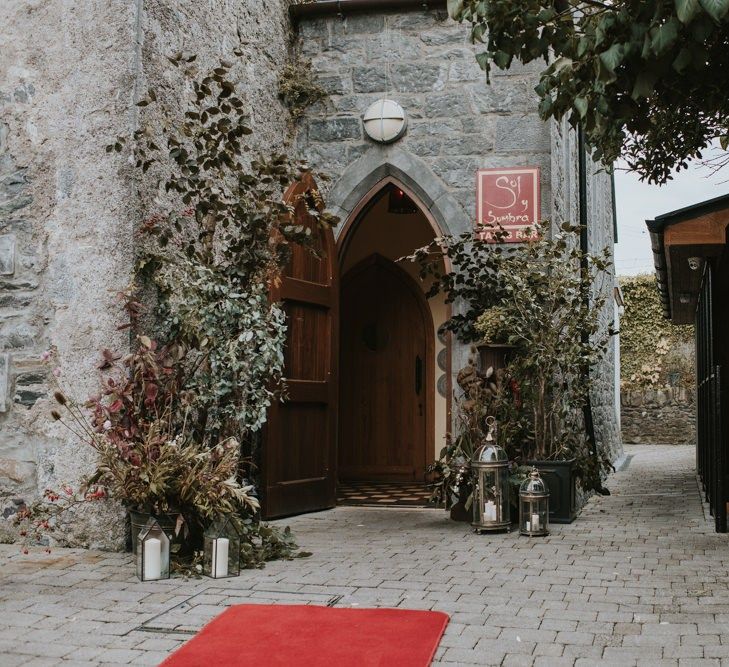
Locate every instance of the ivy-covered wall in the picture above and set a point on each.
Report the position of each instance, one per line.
(657, 367)
(655, 353)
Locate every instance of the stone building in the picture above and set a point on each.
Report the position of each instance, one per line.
(68, 209)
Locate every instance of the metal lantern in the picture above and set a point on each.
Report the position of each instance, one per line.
(221, 555)
(153, 552)
(533, 506)
(491, 506)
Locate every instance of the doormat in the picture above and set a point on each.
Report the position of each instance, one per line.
(383, 494)
(309, 635)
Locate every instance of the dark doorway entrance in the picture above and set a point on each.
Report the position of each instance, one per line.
(386, 374)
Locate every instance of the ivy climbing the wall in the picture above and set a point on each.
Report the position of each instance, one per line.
(654, 352)
(298, 87)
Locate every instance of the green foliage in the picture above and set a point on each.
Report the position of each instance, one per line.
(547, 309)
(298, 89)
(491, 324)
(266, 543)
(652, 347)
(646, 78)
(214, 249)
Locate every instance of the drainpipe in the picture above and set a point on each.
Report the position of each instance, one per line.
(584, 267)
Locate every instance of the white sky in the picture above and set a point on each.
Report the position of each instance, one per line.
(637, 202)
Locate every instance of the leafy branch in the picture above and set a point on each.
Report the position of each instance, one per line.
(645, 78)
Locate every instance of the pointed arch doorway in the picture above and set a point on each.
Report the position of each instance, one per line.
(393, 421)
(391, 417)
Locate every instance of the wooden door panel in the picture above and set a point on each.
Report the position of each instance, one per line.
(306, 424)
(306, 266)
(307, 355)
(384, 366)
(299, 449)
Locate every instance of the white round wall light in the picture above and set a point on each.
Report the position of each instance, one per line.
(385, 121)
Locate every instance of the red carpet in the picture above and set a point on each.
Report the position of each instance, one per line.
(254, 635)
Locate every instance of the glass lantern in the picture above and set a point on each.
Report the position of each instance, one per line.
(221, 556)
(491, 502)
(153, 552)
(533, 506)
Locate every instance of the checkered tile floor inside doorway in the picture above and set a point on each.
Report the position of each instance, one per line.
(412, 494)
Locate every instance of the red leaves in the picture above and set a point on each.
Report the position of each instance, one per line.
(151, 225)
(150, 394)
(107, 359)
(516, 393)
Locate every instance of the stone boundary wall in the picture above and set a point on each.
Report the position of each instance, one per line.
(659, 416)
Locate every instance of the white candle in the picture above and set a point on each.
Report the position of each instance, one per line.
(528, 526)
(490, 511)
(535, 522)
(152, 559)
(220, 557)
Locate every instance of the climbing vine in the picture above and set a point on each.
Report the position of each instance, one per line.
(214, 247)
(298, 88)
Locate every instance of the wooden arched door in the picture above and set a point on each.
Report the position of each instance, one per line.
(299, 450)
(386, 374)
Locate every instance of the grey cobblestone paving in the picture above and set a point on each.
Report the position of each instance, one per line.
(639, 579)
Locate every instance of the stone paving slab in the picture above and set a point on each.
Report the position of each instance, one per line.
(640, 578)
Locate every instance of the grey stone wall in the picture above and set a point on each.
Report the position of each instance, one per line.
(565, 204)
(426, 63)
(66, 84)
(601, 236)
(659, 416)
(69, 80)
(457, 124)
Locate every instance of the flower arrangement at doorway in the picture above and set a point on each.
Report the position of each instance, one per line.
(151, 463)
(483, 394)
(537, 296)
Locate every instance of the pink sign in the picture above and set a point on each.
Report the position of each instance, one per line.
(509, 198)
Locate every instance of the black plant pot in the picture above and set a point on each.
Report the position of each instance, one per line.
(561, 482)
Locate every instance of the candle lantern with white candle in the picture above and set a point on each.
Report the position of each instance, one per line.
(153, 552)
(491, 503)
(533, 506)
(221, 555)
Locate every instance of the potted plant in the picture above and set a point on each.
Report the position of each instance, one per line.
(493, 348)
(537, 297)
(549, 312)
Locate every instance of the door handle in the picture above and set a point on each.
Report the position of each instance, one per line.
(418, 374)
